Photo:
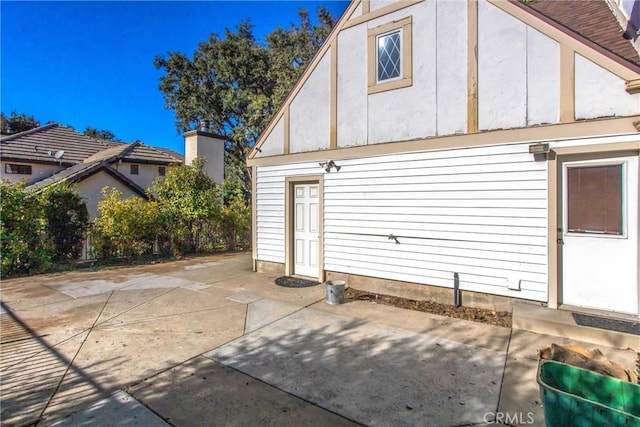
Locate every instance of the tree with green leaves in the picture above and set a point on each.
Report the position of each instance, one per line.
(17, 122)
(101, 134)
(238, 82)
(188, 200)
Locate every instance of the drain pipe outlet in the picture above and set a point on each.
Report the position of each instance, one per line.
(456, 290)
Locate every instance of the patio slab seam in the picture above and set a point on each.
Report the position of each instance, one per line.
(504, 370)
(150, 319)
(87, 330)
(70, 364)
(136, 383)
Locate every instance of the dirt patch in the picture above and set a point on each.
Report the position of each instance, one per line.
(491, 317)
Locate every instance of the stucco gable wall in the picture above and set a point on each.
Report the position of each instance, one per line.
(409, 112)
(352, 87)
(491, 68)
(518, 72)
(309, 113)
(147, 174)
(451, 63)
(274, 145)
(90, 189)
(600, 93)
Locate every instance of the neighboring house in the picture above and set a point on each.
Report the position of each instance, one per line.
(53, 153)
(491, 141)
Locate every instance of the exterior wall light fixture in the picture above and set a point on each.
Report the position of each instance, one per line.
(539, 148)
(328, 165)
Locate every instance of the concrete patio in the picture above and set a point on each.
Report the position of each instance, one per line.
(205, 341)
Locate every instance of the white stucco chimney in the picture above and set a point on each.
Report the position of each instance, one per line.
(201, 143)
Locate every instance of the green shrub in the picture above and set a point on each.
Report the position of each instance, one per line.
(67, 220)
(23, 241)
(125, 227)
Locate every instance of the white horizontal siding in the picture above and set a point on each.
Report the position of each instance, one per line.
(270, 192)
(478, 212)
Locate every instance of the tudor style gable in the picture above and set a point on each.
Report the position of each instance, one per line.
(421, 69)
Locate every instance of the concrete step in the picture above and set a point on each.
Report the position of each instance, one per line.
(542, 320)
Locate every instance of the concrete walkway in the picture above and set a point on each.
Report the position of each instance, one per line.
(205, 341)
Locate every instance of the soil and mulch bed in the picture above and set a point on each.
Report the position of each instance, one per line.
(491, 317)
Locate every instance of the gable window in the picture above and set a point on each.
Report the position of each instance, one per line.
(162, 171)
(12, 168)
(389, 53)
(388, 56)
(134, 170)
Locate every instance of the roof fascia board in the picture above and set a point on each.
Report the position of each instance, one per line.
(583, 129)
(74, 178)
(305, 76)
(81, 176)
(563, 35)
(377, 13)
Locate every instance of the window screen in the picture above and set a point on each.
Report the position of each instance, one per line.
(134, 169)
(389, 56)
(594, 199)
(162, 171)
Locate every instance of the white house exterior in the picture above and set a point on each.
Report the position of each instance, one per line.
(436, 150)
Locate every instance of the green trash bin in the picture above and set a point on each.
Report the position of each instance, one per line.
(577, 397)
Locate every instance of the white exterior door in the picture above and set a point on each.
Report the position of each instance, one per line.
(306, 230)
(600, 234)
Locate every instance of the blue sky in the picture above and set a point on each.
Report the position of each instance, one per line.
(89, 63)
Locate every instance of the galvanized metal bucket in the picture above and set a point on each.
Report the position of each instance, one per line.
(334, 292)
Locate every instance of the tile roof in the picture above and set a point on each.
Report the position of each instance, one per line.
(591, 19)
(147, 154)
(109, 153)
(171, 153)
(40, 145)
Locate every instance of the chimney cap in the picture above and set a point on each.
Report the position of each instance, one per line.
(205, 133)
(203, 126)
